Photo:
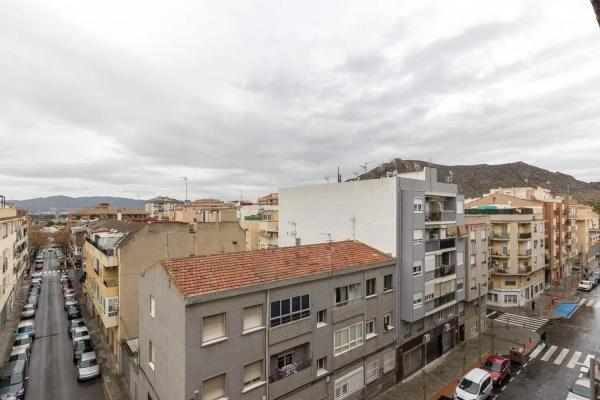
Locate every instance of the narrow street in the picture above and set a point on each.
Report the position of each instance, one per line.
(52, 374)
(551, 369)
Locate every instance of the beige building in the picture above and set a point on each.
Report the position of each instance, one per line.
(118, 252)
(588, 236)
(13, 255)
(517, 249)
(104, 211)
(191, 213)
(272, 199)
(161, 207)
(261, 224)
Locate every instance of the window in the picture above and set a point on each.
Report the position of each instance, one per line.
(321, 318)
(347, 338)
(417, 299)
(418, 205)
(510, 281)
(151, 355)
(388, 283)
(152, 307)
(482, 234)
(419, 325)
(371, 286)
(492, 297)
(472, 235)
(460, 258)
(472, 259)
(213, 328)
(430, 262)
(348, 384)
(483, 257)
(406, 328)
(389, 361)
(418, 236)
(370, 328)
(292, 309)
(372, 372)
(460, 207)
(460, 284)
(535, 228)
(429, 291)
(285, 360)
(388, 324)
(213, 388)
(321, 365)
(253, 317)
(510, 298)
(253, 373)
(345, 294)
(417, 268)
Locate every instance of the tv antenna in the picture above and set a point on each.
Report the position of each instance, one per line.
(365, 165)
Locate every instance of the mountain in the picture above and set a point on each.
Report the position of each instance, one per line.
(474, 180)
(66, 203)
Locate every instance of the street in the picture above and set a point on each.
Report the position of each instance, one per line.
(52, 374)
(551, 369)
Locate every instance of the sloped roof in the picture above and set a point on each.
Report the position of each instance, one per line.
(194, 276)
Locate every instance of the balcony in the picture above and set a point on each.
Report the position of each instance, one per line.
(290, 377)
(290, 370)
(434, 245)
(437, 216)
(524, 236)
(110, 283)
(500, 236)
(525, 270)
(500, 253)
(525, 253)
(440, 272)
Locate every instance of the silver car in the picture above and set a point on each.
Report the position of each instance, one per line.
(23, 342)
(28, 311)
(70, 302)
(88, 367)
(80, 333)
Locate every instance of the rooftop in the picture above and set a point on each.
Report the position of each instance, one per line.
(195, 276)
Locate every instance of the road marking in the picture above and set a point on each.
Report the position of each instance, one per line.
(574, 360)
(511, 379)
(561, 356)
(537, 351)
(590, 302)
(597, 305)
(587, 361)
(549, 353)
(583, 300)
(531, 323)
(518, 372)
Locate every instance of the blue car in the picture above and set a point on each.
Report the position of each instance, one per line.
(26, 328)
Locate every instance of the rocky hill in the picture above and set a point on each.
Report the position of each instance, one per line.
(474, 180)
(66, 203)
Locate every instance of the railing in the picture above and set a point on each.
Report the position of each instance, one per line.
(112, 313)
(433, 216)
(106, 252)
(500, 235)
(525, 253)
(500, 253)
(110, 283)
(290, 370)
(525, 235)
(444, 270)
(525, 270)
(433, 245)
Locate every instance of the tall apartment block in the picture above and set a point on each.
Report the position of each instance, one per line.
(412, 217)
(306, 322)
(517, 248)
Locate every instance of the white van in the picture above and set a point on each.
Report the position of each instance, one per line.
(475, 385)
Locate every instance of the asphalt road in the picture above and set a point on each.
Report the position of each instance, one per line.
(52, 374)
(569, 341)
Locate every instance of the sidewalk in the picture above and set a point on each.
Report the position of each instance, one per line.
(114, 387)
(7, 334)
(441, 376)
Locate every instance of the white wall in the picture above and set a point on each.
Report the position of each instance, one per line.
(330, 208)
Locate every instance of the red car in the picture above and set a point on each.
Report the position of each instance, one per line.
(498, 367)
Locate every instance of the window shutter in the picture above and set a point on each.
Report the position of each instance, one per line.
(253, 317)
(389, 361)
(372, 371)
(252, 372)
(348, 384)
(213, 327)
(214, 388)
(429, 290)
(429, 262)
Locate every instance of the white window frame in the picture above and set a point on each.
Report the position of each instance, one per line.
(152, 307)
(417, 300)
(373, 324)
(388, 322)
(391, 280)
(341, 346)
(222, 394)
(418, 236)
(249, 383)
(417, 268)
(350, 295)
(210, 339)
(247, 327)
(418, 205)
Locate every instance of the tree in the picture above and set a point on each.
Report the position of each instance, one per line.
(595, 204)
(37, 239)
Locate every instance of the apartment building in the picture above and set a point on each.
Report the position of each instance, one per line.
(14, 232)
(116, 253)
(272, 199)
(412, 217)
(517, 250)
(570, 237)
(588, 237)
(261, 224)
(76, 242)
(193, 213)
(303, 322)
(476, 275)
(161, 207)
(104, 211)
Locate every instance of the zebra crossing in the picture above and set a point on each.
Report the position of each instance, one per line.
(585, 302)
(576, 358)
(532, 323)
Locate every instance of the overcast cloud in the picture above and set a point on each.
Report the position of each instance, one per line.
(124, 98)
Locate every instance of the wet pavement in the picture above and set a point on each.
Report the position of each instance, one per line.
(552, 368)
(52, 374)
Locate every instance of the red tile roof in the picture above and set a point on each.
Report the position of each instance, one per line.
(195, 276)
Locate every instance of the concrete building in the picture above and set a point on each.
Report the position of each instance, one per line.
(412, 217)
(161, 207)
(76, 242)
(588, 237)
(261, 224)
(104, 211)
(14, 233)
(476, 275)
(191, 213)
(117, 253)
(272, 199)
(517, 248)
(303, 322)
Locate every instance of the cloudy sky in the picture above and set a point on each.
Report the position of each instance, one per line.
(123, 98)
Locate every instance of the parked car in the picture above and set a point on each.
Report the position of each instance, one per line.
(68, 292)
(71, 302)
(66, 286)
(69, 296)
(88, 367)
(18, 354)
(80, 333)
(585, 285)
(80, 347)
(475, 385)
(23, 342)
(26, 328)
(13, 379)
(33, 300)
(28, 311)
(581, 390)
(73, 312)
(498, 367)
(74, 323)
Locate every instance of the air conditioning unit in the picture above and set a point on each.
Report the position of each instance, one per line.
(447, 327)
(426, 338)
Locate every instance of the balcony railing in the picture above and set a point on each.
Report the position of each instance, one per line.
(106, 252)
(525, 270)
(525, 235)
(110, 283)
(496, 253)
(500, 235)
(433, 216)
(525, 253)
(440, 272)
(290, 370)
(433, 245)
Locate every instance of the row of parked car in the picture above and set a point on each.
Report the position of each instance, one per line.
(478, 383)
(591, 282)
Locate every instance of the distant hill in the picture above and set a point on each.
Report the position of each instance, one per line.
(474, 180)
(66, 203)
